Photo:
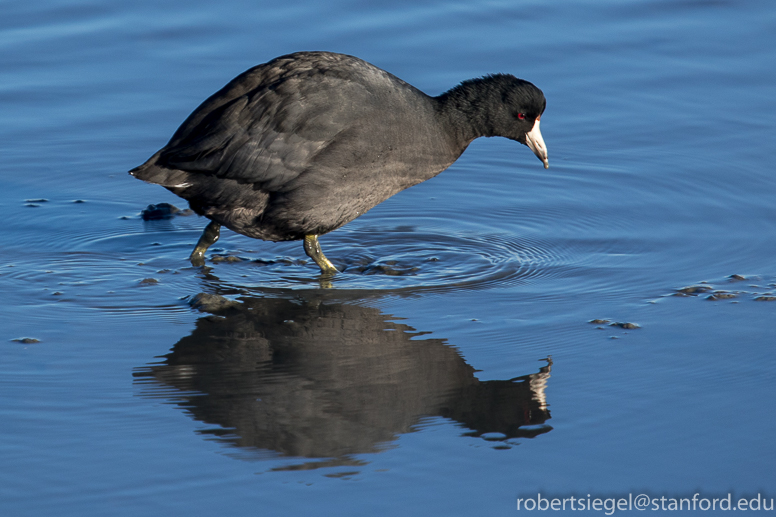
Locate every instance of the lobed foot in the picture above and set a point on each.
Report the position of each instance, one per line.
(313, 249)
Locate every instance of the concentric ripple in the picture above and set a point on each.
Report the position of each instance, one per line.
(438, 260)
(405, 259)
(92, 246)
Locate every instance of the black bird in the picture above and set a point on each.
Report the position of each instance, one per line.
(307, 142)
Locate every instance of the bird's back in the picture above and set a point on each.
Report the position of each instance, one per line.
(302, 145)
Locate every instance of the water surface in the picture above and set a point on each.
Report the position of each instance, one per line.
(452, 367)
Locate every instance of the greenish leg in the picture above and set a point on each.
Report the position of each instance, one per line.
(313, 250)
(209, 237)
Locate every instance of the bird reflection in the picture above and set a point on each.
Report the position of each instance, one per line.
(324, 379)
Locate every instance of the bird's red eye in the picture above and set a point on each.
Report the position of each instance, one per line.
(521, 116)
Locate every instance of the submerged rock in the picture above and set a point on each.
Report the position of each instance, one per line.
(625, 325)
(211, 303)
(162, 211)
(26, 340)
(225, 258)
(694, 290)
(390, 268)
(721, 295)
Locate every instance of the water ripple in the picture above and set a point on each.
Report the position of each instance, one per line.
(405, 259)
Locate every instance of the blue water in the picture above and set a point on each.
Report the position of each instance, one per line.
(452, 368)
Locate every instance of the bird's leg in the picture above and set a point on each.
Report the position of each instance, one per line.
(313, 250)
(208, 238)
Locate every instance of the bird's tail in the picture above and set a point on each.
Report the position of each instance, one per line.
(151, 172)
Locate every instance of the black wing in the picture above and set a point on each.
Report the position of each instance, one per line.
(269, 132)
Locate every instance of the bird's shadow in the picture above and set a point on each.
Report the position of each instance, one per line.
(306, 375)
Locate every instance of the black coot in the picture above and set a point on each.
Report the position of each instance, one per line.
(307, 142)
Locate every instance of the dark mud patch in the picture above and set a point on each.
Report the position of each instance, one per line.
(759, 289)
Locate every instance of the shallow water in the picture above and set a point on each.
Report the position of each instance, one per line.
(452, 367)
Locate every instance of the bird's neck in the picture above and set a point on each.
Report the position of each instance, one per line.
(468, 119)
